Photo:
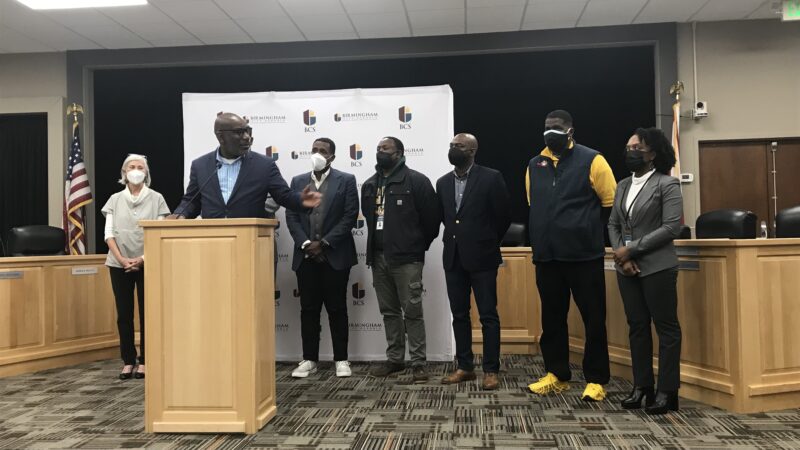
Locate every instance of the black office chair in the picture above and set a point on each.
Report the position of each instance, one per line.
(726, 223)
(787, 223)
(36, 240)
(515, 236)
(686, 232)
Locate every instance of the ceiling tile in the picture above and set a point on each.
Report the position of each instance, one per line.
(161, 32)
(449, 18)
(610, 12)
(430, 5)
(332, 36)
(766, 11)
(377, 34)
(373, 6)
(76, 18)
(324, 24)
(271, 29)
(727, 10)
(438, 31)
(494, 3)
(190, 10)
(669, 10)
(297, 8)
(113, 36)
(175, 42)
(15, 42)
(138, 15)
(251, 9)
(214, 31)
(499, 17)
(549, 25)
(392, 22)
(560, 11)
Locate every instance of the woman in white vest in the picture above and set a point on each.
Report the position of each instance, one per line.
(125, 240)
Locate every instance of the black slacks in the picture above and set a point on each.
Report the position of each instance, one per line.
(123, 283)
(653, 298)
(586, 281)
(320, 284)
(484, 285)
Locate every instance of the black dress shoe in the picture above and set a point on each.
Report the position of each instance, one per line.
(634, 399)
(138, 375)
(125, 376)
(665, 401)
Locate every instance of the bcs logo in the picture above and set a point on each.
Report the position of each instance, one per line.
(310, 119)
(404, 114)
(337, 117)
(356, 154)
(294, 155)
(272, 152)
(359, 228)
(358, 294)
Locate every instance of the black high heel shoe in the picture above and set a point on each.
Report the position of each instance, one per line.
(126, 375)
(138, 375)
(634, 399)
(665, 401)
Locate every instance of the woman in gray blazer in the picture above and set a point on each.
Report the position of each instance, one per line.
(645, 219)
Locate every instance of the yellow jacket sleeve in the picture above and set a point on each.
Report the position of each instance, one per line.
(603, 182)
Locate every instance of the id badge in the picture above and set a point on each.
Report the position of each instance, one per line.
(627, 236)
(379, 223)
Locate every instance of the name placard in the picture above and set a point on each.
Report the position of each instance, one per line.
(10, 275)
(84, 271)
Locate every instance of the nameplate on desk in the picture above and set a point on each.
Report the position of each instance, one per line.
(689, 265)
(687, 251)
(10, 275)
(84, 270)
(609, 265)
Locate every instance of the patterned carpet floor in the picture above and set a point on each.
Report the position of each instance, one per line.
(87, 407)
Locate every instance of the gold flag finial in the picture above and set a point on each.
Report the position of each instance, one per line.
(676, 89)
(73, 110)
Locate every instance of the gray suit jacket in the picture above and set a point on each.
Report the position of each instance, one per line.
(655, 222)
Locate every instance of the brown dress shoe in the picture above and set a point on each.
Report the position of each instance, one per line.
(458, 376)
(490, 381)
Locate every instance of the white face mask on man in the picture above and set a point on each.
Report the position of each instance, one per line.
(318, 162)
(135, 176)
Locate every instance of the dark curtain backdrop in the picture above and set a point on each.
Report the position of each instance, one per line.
(23, 171)
(501, 98)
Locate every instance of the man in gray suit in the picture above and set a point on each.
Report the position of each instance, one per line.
(324, 252)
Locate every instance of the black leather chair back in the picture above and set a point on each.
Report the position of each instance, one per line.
(35, 240)
(787, 223)
(515, 236)
(726, 223)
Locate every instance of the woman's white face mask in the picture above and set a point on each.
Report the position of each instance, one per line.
(135, 176)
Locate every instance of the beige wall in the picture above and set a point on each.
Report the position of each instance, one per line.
(749, 73)
(37, 82)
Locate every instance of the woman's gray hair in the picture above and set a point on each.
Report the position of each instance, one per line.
(134, 157)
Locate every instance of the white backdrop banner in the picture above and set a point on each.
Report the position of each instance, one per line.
(285, 124)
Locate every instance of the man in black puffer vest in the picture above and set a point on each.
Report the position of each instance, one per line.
(570, 191)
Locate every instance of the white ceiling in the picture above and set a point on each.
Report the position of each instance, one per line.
(167, 23)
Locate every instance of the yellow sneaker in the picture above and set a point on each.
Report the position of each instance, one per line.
(547, 384)
(594, 393)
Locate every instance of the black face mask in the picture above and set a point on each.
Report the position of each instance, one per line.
(385, 161)
(634, 160)
(457, 157)
(556, 142)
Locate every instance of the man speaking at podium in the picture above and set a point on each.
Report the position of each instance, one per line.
(232, 181)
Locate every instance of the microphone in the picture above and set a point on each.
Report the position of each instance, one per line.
(216, 169)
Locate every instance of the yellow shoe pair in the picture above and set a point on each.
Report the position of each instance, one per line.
(550, 383)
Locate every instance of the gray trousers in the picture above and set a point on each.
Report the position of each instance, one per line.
(399, 291)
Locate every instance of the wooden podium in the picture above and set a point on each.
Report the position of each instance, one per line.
(210, 325)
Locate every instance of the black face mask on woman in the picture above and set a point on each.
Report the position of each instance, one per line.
(385, 160)
(634, 160)
(556, 141)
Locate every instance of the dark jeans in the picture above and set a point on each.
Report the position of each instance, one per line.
(122, 283)
(586, 281)
(320, 284)
(653, 298)
(484, 285)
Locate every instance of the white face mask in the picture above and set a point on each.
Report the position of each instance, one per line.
(318, 162)
(135, 176)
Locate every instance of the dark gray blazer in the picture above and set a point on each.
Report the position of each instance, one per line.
(655, 222)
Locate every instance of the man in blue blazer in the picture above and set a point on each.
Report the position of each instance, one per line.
(232, 181)
(324, 252)
(476, 214)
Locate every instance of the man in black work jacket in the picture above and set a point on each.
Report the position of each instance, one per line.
(402, 214)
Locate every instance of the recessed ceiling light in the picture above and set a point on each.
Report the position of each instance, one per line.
(71, 4)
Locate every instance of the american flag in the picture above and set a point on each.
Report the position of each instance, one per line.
(77, 194)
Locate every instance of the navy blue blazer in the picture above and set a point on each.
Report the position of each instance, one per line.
(341, 212)
(478, 227)
(258, 176)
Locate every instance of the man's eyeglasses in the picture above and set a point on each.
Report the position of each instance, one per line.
(240, 131)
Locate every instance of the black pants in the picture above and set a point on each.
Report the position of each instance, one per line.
(484, 285)
(586, 281)
(122, 283)
(319, 285)
(653, 298)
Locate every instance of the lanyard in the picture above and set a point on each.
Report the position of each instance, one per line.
(625, 198)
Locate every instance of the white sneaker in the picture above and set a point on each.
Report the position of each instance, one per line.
(304, 369)
(343, 369)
